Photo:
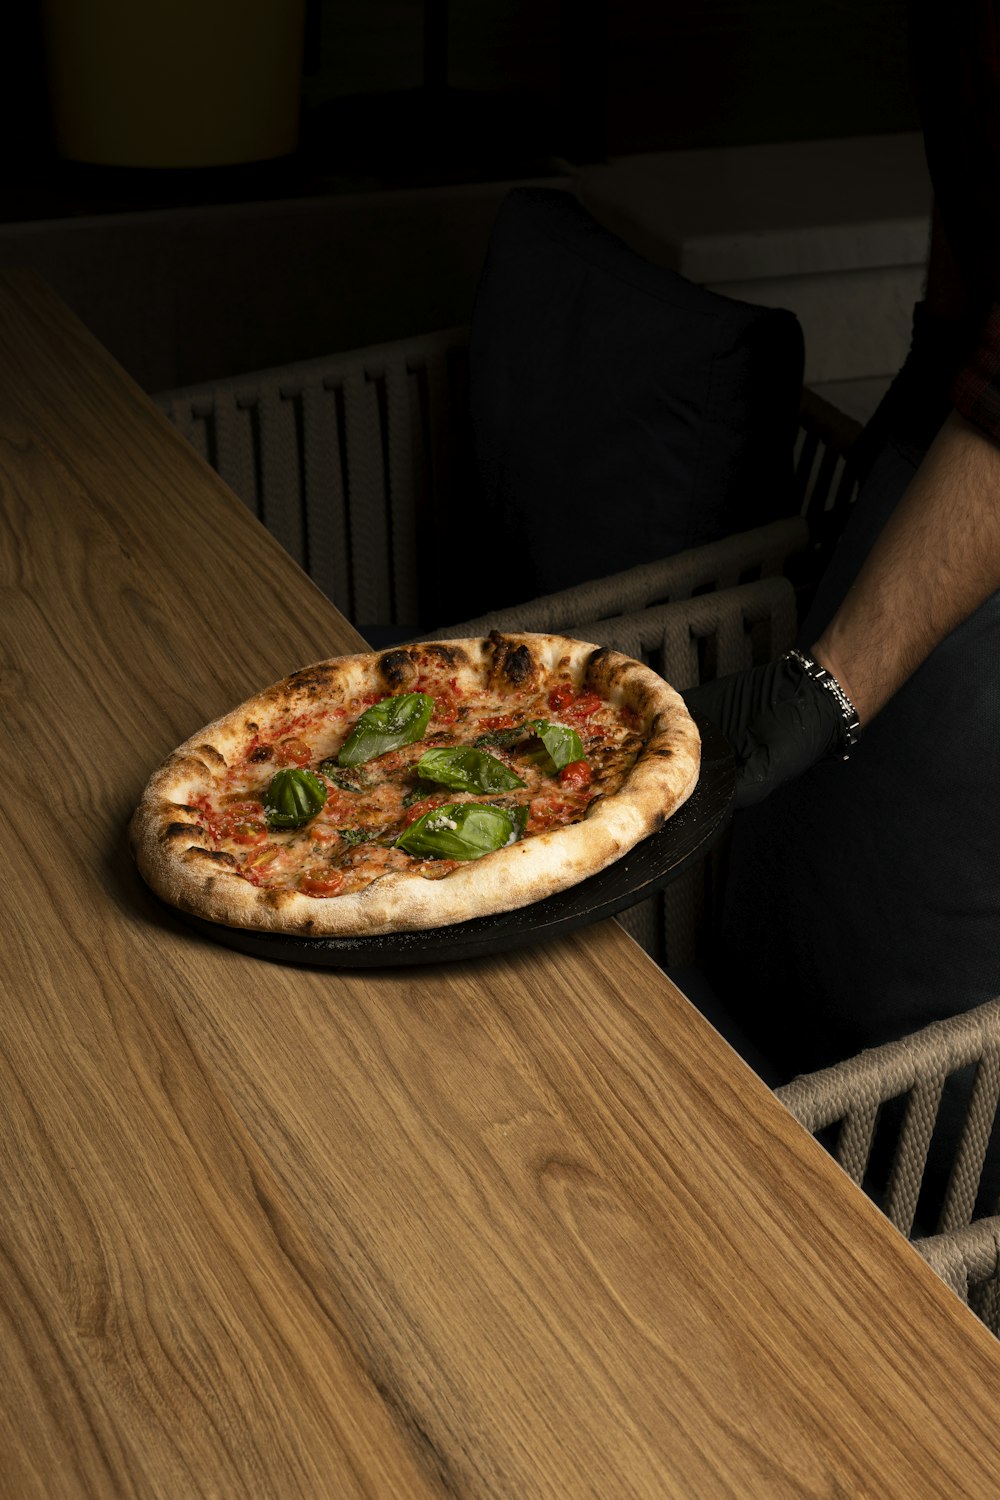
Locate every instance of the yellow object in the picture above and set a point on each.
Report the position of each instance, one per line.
(189, 83)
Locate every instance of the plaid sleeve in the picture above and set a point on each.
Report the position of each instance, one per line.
(976, 391)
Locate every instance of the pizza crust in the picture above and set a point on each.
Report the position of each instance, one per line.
(169, 846)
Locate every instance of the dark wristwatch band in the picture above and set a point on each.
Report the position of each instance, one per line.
(851, 723)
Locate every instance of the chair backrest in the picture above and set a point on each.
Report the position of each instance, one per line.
(354, 462)
(915, 1069)
(351, 462)
(746, 557)
(826, 479)
(913, 1072)
(826, 485)
(968, 1259)
(693, 640)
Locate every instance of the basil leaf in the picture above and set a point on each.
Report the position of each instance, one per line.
(293, 797)
(353, 836)
(386, 726)
(504, 737)
(463, 830)
(465, 769)
(564, 745)
(333, 773)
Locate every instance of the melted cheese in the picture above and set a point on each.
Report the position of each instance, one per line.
(350, 842)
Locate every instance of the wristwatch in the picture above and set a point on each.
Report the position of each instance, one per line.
(851, 724)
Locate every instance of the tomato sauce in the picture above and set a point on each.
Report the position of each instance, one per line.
(351, 840)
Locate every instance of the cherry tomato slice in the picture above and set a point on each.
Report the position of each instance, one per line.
(321, 882)
(444, 712)
(242, 823)
(292, 752)
(576, 775)
(499, 721)
(255, 865)
(417, 809)
(584, 705)
(550, 812)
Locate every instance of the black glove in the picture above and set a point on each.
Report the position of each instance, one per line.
(777, 718)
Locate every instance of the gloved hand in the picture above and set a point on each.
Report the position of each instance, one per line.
(777, 718)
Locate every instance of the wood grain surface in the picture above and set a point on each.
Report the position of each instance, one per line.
(515, 1227)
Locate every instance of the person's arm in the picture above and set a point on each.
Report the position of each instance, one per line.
(936, 560)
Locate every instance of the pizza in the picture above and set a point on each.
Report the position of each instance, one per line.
(416, 787)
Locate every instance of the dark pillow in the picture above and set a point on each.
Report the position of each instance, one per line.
(620, 412)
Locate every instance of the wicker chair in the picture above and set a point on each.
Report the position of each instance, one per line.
(352, 460)
(968, 1260)
(349, 461)
(911, 1074)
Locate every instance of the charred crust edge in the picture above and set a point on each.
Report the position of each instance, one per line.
(176, 830)
(519, 666)
(609, 668)
(184, 763)
(312, 680)
(512, 660)
(276, 897)
(452, 656)
(396, 667)
(219, 856)
(211, 754)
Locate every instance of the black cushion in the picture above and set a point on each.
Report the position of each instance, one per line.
(620, 413)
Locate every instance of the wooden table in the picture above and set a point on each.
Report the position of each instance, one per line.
(516, 1227)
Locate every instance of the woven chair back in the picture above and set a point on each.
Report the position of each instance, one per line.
(911, 1074)
(354, 461)
(349, 461)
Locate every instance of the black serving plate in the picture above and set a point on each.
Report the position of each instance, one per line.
(654, 863)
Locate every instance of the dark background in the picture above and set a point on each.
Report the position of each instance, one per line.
(416, 117)
(402, 93)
